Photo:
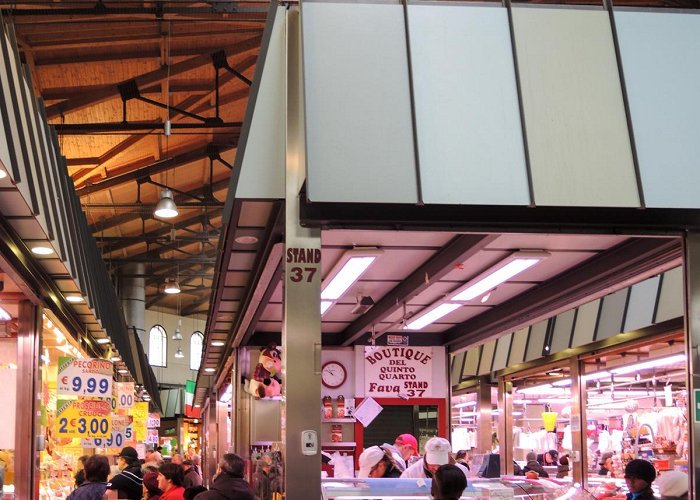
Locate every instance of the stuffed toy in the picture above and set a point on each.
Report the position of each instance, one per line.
(266, 381)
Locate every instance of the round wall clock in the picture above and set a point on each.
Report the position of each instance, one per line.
(333, 374)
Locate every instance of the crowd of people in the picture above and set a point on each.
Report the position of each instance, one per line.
(156, 479)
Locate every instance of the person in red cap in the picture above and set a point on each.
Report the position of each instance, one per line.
(408, 447)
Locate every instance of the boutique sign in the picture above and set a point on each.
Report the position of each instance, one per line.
(398, 371)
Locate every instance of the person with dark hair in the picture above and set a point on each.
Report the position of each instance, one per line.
(192, 477)
(95, 483)
(193, 491)
(462, 457)
(563, 467)
(128, 483)
(639, 474)
(550, 458)
(533, 465)
(170, 477)
(151, 491)
(449, 483)
(606, 465)
(229, 483)
(80, 475)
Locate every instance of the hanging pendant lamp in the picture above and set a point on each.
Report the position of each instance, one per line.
(166, 207)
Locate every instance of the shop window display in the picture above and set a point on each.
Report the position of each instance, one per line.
(636, 407)
(8, 392)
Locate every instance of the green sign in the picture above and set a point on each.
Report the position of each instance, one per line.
(697, 405)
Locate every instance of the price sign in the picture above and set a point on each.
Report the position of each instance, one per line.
(84, 418)
(125, 395)
(140, 414)
(152, 437)
(122, 435)
(85, 377)
(153, 421)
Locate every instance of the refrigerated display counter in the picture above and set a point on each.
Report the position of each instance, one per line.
(478, 489)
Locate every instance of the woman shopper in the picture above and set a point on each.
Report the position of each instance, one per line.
(449, 483)
(170, 477)
(95, 484)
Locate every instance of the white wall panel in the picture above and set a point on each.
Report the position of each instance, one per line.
(659, 52)
(517, 348)
(500, 359)
(487, 357)
(535, 343)
(563, 327)
(471, 362)
(586, 319)
(467, 117)
(611, 314)
(580, 153)
(640, 309)
(671, 296)
(359, 133)
(263, 164)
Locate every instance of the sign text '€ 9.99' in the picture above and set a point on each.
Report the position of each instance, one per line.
(85, 377)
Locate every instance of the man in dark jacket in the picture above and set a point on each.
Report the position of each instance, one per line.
(192, 477)
(639, 474)
(128, 483)
(229, 483)
(533, 465)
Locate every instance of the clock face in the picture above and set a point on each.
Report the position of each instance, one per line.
(333, 374)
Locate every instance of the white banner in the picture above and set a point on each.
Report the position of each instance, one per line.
(392, 371)
(85, 377)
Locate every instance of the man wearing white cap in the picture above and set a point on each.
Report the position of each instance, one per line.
(437, 453)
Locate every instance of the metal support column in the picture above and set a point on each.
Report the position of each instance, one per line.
(578, 459)
(27, 403)
(301, 330)
(505, 425)
(691, 257)
(132, 292)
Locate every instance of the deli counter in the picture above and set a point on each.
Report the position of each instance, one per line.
(517, 488)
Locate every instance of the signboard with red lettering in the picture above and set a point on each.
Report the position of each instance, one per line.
(398, 371)
(90, 377)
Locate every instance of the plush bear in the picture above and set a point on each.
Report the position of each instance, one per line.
(266, 381)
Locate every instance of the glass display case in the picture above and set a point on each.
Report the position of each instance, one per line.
(497, 488)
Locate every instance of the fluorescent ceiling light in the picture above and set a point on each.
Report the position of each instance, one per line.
(463, 405)
(517, 413)
(74, 299)
(4, 315)
(595, 376)
(210, 370)
(430, 316)
(508, 268)
(218, 343)
(3, 173)
(122, 371)
(325, 305)
(347, 270)
(103, 340)
(562, 383)
(652, 363)
(545, 389)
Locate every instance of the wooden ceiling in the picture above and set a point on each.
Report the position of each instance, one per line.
(111, 74)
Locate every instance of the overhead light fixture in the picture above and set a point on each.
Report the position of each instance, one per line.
(179, 353)
(562, 383)
(74, 299)
(347, 271)
(103, 340)
(123, 371)
(3, 173)
(652, 363)
(42, 250)
(4, 315)
(218, 343)
(166, 207)
(116, 358)
(171, 286)
(177, 334)
(210, 370)
(325, 305)
(246, 240)
(465, 404)
(595, 376)
(506, 269)
(431, 315)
